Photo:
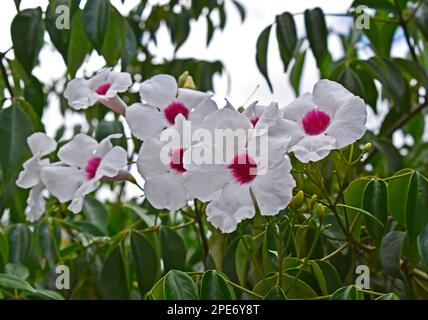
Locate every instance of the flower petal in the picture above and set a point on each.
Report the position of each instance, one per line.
(233, 205)
(192, 99)
(297, 110)
(330, 96)
(145, 121)
(273, 190)
(313, 148)
(166, 191)
(348, 124)
(198, 115)
(79, 94)
(30, 176)
(41, 143)
(159, 91)
(114, 160)
(36, 203)
(62, 182)
(79, 196)
(105, 144)
(149, 163)
(78, 151)
(120, 82)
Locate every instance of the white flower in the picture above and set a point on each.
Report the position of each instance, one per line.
(40, 145)
(84, 163)
(162, 102)
(103, 87)
(328, 119)
(235, 182)
(164, 187)
(267, 118)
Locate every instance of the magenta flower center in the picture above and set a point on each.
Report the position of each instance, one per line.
(92, 167)
(254, 121)
(176, 162)
(315, 122)
(173, 110)
(102, 89)
(243, 168)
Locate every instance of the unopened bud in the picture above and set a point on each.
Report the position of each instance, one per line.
(241, 109)
(189, 84)
(312, 201)
(297, 200)
(320, 210)
(367, 147)
(182, 79)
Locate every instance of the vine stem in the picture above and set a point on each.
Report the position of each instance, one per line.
(338, 250)
(403, 24)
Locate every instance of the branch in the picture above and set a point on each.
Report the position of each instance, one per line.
(5, 76)
(403, 24)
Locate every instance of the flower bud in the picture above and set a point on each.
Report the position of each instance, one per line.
(189, 84)
(182, 79)
(320, 210)
(297, 200)
(367, 147)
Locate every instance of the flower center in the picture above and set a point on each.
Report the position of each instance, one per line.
(102, 89)
(315, 122)
(243, 168)
(92, 166)
(254, 121)
(173, 110)
(176, 161)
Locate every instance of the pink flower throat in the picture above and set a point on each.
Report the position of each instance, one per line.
(92, 167)
(243, 168)
(102, 89)
(176, 162)
(173, 110)
(315, 122)
(254, 121)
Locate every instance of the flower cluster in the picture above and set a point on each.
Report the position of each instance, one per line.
(177, 127)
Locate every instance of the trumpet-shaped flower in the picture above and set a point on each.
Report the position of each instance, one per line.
(84, 163)
(163, 101)
(40, 145)
(103, 87)
(329, 118)
(253, 173)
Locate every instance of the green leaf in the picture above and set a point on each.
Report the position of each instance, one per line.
(95, 21)
(286, 36)
(276, 293)
(179, 286)
(262, 54)
(388, 296)
(12, 282)
(316, 32)
(293, 288)
(46, 295)
(79, 45)
(350, 80)
(113, 280)
(17, 270)
(114, 40)
(392, 80)
(375, 201)
(49, 240)
(375, 4)
(417, 206)
(15, 128)
(423, 247)
(240, 8)
(173, 249)
(146, 261)
(19, 236)
(296, 71)
(381, 35)
(345, 293)
(84, 227)
(330, 275)
(179, 27)
(366, 213)
(96, 213)
(27, 36)
(215, 287)
(390, 253)
(420, 18)
(398, 191)
(388, 152)
(354, 197)
(241, 259)
(129, 47)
